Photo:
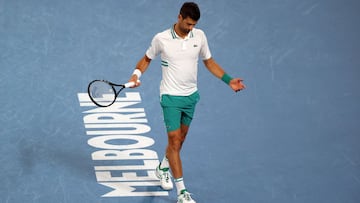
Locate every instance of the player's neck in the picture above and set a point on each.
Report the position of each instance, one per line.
(178, 31)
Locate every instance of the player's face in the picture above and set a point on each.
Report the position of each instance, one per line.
(186, 25)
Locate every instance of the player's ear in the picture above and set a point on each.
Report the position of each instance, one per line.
(180, 17)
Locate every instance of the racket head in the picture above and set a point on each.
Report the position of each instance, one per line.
(102, 93)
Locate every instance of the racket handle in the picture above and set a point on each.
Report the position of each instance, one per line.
(130, 84)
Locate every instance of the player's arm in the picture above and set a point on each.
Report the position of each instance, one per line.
(235, 83)
(141, 67)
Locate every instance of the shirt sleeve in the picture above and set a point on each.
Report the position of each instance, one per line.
(205, 53)
(154, 49)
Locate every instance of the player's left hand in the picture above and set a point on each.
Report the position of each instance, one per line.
(237, 84)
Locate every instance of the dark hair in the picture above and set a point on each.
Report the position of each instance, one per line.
(190, 9)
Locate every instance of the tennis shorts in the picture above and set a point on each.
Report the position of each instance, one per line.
(178, 110)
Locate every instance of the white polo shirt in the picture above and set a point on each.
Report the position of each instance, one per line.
(179, 60)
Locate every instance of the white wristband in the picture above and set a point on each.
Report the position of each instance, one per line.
(137, 72)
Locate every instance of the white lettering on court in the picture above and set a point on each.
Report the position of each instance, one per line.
(119, 135)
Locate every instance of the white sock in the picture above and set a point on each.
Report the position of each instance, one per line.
(164, 163)
(180, 185)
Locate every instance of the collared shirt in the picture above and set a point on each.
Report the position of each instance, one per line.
(179, 60)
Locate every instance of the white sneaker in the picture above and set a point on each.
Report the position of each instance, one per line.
(185, 197)
(165, 178)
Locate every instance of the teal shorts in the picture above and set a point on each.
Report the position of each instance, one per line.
(178, 110)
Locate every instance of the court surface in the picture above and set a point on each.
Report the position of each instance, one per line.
(292, 136)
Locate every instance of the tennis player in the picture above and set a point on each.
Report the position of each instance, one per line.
(180, 47)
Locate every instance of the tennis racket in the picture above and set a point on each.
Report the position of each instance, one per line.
(104, 93)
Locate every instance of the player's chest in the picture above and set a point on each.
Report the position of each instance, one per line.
(181, 49)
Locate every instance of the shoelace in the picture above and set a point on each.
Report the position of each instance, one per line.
(187, 196)
(166, 175)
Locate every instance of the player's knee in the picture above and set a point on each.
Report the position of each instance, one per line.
(175, 143)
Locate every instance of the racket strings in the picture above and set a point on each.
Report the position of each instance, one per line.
(102, 93)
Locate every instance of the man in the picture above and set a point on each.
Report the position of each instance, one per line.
(180, 47)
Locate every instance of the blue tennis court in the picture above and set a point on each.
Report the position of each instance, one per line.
(292, 136)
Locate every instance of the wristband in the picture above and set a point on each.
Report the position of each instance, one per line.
(226, 78)
(137, 72)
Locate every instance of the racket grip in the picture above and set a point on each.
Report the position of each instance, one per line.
(130, 84)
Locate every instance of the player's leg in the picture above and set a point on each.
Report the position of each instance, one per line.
(186, 119)
(172, 119)
(176, 139)
(177, 128)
